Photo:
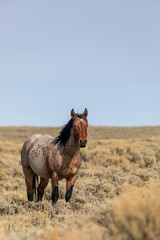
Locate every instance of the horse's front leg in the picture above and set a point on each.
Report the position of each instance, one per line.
(55, 191)
(69, 186)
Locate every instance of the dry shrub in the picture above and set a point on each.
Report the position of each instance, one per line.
(109, 167)
(150, 160)
(157, 155)
(135, 215)
(1, 146)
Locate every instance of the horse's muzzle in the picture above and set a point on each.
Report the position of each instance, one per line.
(83, 143)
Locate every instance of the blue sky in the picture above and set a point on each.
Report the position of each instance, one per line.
(59, 55)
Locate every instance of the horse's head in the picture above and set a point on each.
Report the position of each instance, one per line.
(80, 125)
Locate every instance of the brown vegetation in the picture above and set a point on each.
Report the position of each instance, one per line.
(115, 197)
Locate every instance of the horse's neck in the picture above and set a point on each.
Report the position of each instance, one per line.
(72, 147)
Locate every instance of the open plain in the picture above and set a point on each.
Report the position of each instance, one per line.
(116, 195)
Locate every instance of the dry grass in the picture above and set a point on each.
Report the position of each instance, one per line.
(134, 215)
(115, 197)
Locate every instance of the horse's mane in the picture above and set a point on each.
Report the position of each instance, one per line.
(65, 133)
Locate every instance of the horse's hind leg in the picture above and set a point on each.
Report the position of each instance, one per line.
(55, 191)
(29, 174)
(43, 184)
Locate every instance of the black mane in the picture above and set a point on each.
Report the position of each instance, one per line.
(65, 133)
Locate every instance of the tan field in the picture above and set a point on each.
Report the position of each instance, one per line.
(116, 196)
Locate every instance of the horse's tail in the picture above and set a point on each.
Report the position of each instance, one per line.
(35, 187)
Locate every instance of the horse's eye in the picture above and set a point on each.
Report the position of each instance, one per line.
(87, 125)
(74, 126)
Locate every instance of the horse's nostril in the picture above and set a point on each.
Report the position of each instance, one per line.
(82, 142)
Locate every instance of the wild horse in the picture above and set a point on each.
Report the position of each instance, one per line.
(54, 159)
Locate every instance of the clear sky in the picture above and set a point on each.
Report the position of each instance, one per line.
(56, 55)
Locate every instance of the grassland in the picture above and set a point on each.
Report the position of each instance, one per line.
(116, 195)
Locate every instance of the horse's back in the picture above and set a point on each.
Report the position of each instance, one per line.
(35, 152)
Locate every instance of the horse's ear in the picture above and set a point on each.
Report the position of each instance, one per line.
(85, 113)
(73, 114)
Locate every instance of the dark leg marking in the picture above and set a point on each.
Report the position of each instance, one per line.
(69, 193)
(41, 187)
(30, 196)
(39, 195)
(55, 195)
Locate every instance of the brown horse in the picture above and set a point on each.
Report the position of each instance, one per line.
(57, 158)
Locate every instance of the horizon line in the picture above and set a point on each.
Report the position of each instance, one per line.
(110, 126)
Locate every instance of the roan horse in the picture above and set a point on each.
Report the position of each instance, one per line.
(58, 158)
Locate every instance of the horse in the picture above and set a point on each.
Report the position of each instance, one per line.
(54, 159)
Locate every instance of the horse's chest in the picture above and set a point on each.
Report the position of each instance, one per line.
(69, 166)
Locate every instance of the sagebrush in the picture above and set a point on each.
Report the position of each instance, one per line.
(115, 197)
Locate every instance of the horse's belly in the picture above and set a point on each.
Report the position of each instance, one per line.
(40, 167)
